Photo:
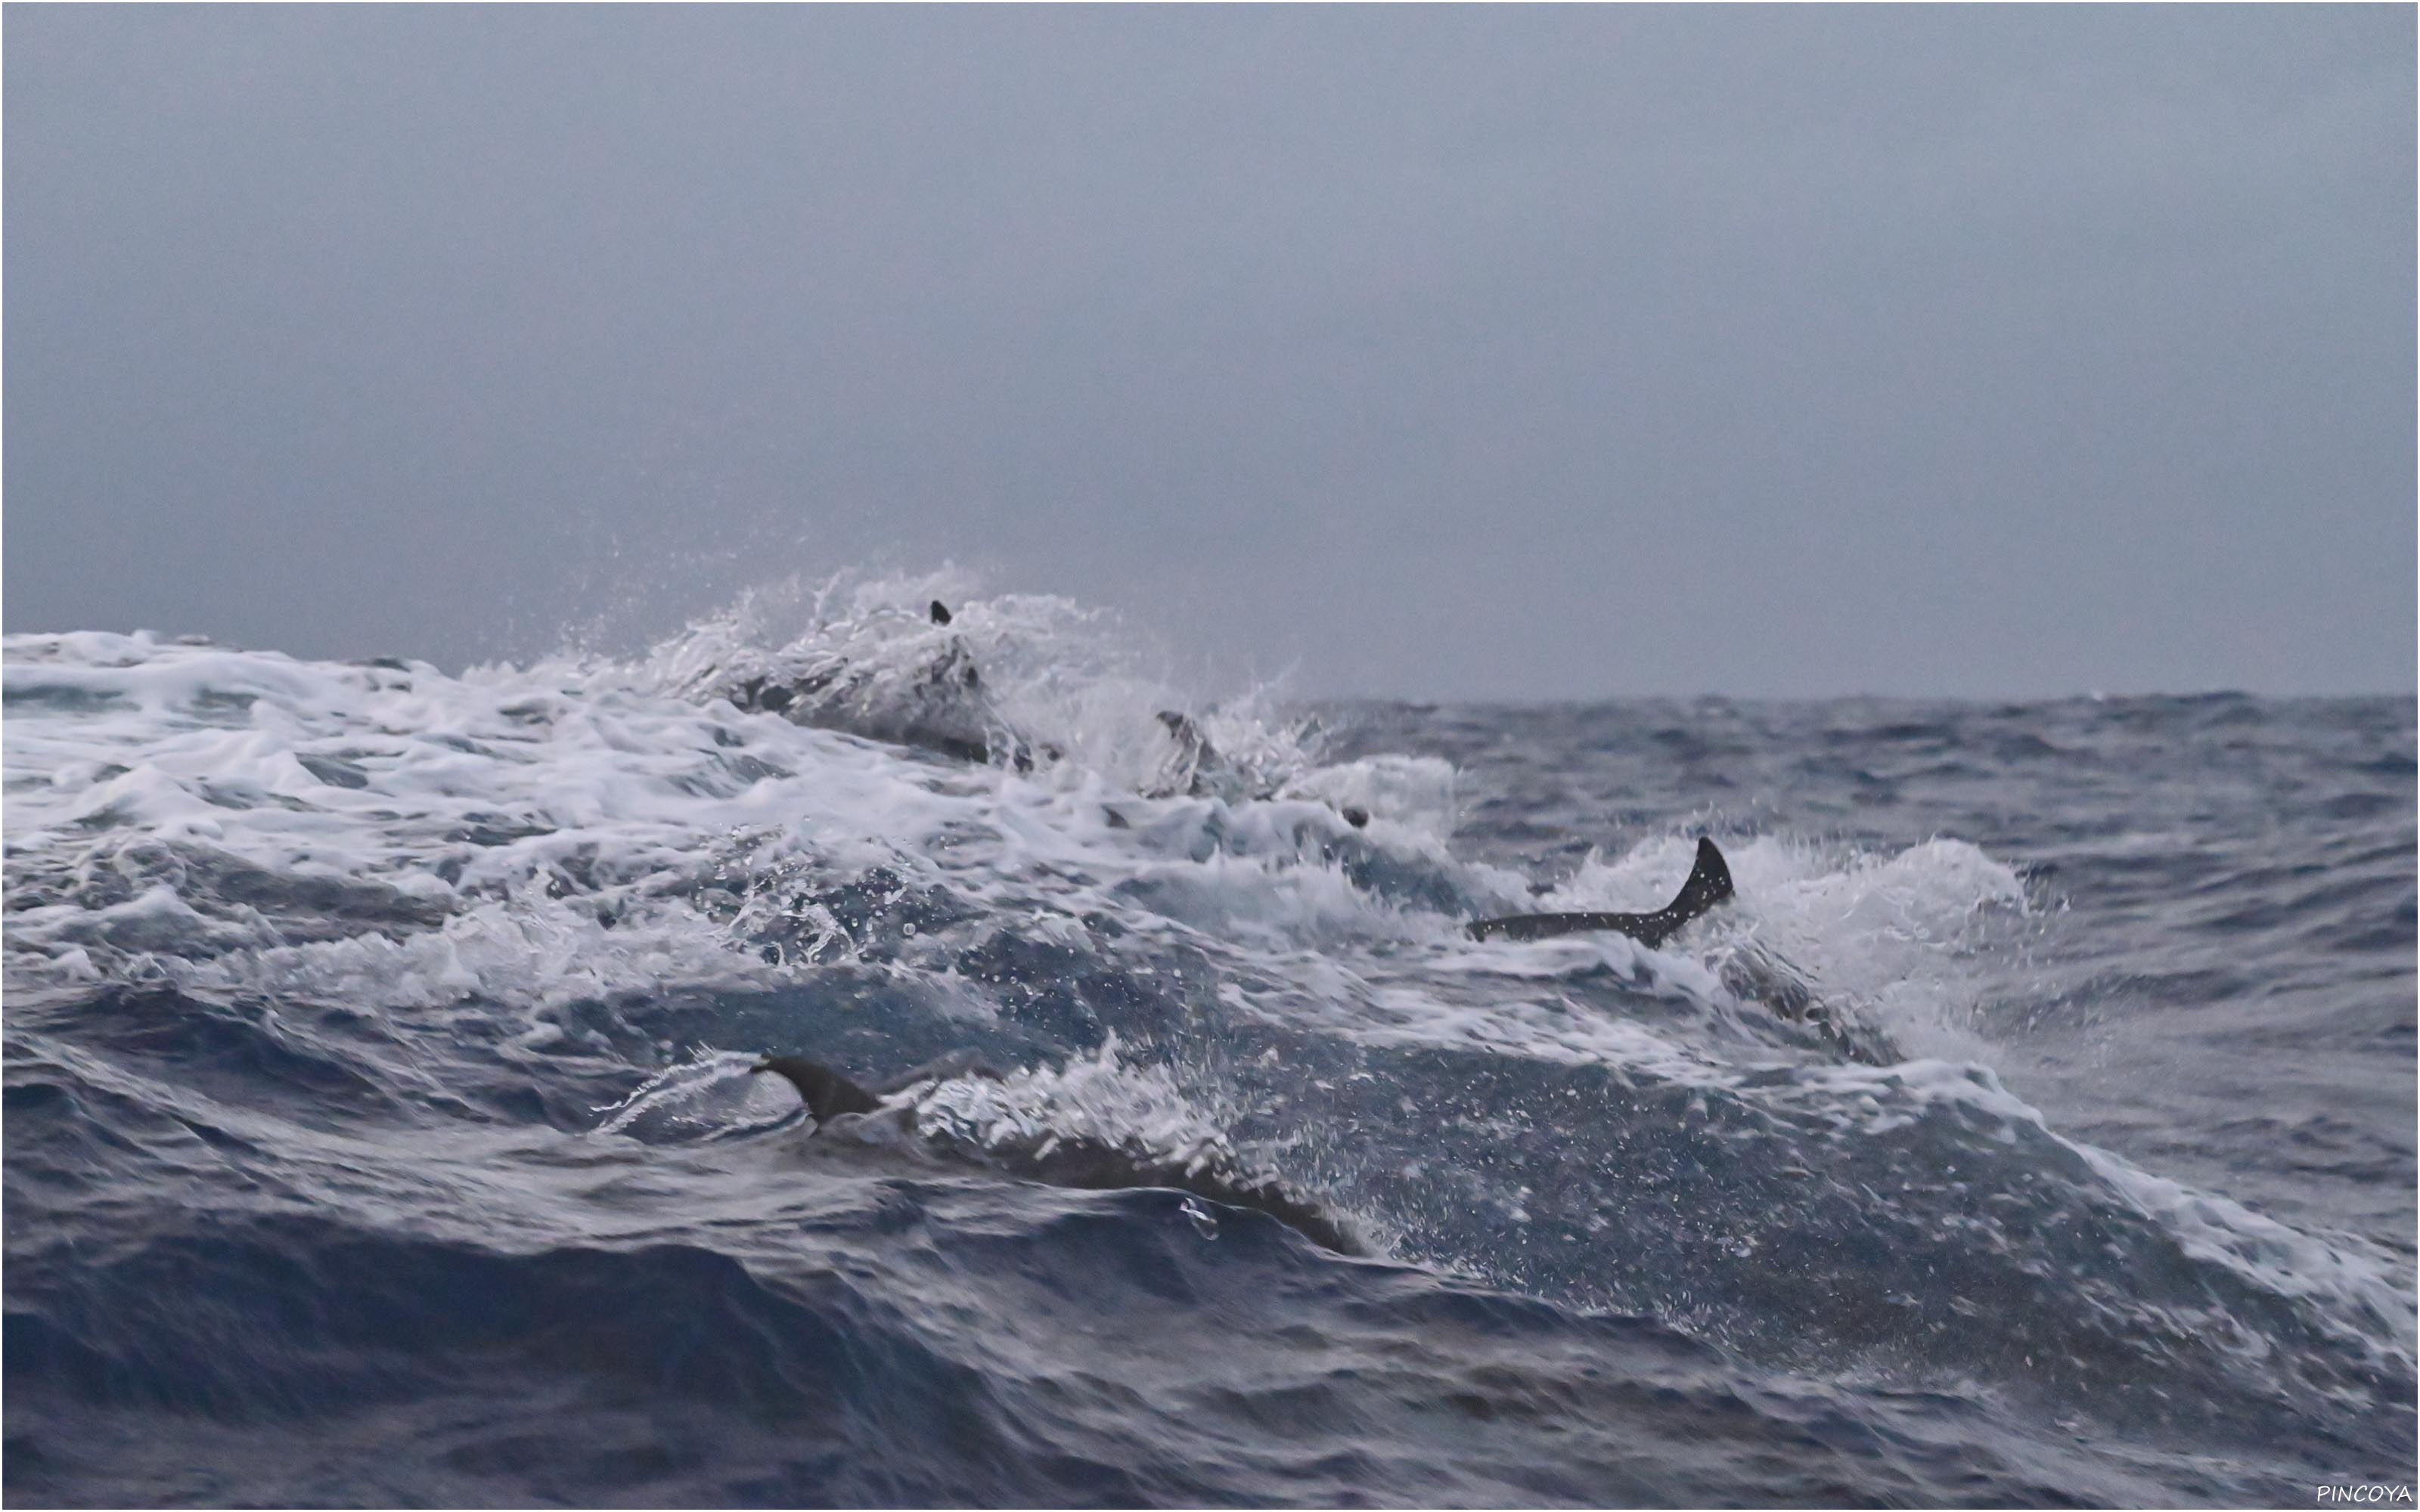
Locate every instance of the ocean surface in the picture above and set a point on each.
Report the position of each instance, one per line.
(2035, 1125)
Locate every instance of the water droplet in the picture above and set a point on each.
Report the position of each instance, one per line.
(1204, 1223)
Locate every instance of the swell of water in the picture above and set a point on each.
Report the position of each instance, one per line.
(2036, 1124)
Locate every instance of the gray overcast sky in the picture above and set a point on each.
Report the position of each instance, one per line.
(1452, 352)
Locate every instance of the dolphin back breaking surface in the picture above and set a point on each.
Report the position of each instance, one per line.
(1056, 1158)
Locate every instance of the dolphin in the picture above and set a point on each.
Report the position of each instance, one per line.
(1710, 882)
(946, 707)
(1754, 972)
(841, 1105)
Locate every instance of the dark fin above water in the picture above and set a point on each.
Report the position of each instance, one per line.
(1710, 882)
(827, 1094)
(939, 611)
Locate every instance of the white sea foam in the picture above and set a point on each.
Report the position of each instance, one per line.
(2355, 1283)
(559, 817)
(1098, 1098)
(543, 835)
(710, 1093)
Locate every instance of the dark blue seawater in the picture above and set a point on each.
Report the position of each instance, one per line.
(2035, 1127)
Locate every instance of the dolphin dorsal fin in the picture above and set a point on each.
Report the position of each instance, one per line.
(1710, 882)
(827, 1094)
